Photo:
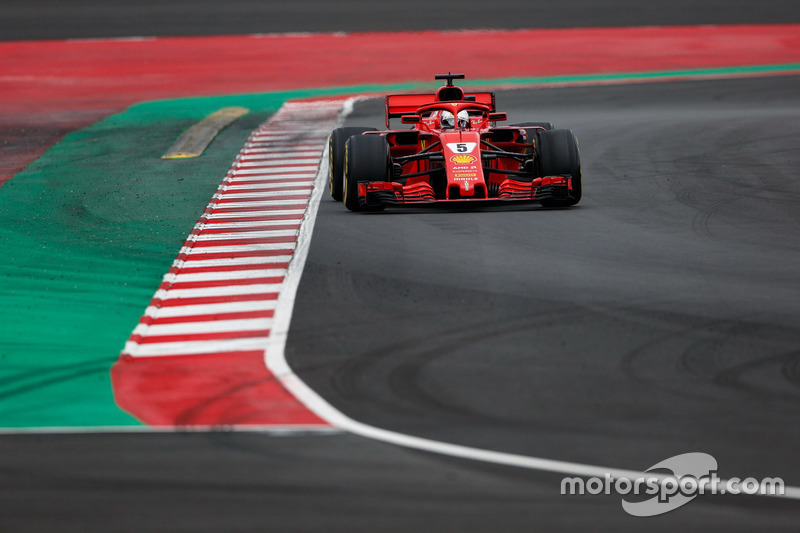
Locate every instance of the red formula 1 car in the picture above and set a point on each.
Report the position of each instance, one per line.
(453, 152)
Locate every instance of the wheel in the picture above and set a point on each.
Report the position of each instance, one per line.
(366, 158)
(336, 143)
(558, 153)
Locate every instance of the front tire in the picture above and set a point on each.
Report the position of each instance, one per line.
(366, 158)
(558, 154)
(336, 142)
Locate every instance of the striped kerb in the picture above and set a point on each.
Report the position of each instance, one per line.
(197, 356)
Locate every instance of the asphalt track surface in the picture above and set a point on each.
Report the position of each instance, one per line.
(658, 314)
(57, 19)
(658, 317)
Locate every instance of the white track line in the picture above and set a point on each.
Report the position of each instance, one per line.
(232, 290)
(266, 170)
(259, 271)
(253, 214)
(198, 252)
(256, 262)
(210, 309)
(267, 185)
(169, 349)
(202, 237)
(211, 326)
(259, 203)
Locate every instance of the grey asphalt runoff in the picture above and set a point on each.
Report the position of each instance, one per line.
(658, 317)
(80, 19)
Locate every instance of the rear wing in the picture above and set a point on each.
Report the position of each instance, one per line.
(398, 105)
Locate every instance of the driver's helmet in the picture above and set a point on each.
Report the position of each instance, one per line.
(463, 119)
(448, 120)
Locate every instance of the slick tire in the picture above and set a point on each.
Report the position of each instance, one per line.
(336, 142)
(366, 158)
(558, 153)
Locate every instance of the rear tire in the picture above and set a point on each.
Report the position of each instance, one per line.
(336, 143)
(558, 154)
(366, 158)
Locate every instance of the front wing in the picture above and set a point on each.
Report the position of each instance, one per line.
(374, 194)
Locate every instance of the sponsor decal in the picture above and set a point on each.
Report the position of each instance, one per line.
(463, 159)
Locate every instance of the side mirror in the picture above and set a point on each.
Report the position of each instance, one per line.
(493, 117)
(410, 119)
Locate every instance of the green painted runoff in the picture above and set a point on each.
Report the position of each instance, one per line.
(87, 232)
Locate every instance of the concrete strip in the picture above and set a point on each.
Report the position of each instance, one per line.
(195, 140)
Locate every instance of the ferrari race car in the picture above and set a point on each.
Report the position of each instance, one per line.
(452, 152)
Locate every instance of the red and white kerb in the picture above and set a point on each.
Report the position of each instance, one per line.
(216, 304)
